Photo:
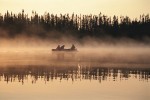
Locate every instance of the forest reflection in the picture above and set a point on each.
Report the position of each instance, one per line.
(73, 73)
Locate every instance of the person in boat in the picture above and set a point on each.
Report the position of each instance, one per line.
(73, 47)
(62, 47)
(58, 47)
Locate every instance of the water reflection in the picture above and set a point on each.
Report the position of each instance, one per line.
(74, 73)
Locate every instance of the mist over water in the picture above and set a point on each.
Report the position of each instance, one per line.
(104, 68)
(34, 51)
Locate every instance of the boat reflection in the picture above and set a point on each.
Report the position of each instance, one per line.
(73, 73)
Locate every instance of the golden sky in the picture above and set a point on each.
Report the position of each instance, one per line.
(132, 8)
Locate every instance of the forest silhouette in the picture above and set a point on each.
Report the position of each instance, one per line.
(79, 26)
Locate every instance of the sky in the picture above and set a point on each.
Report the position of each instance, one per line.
(131, 8)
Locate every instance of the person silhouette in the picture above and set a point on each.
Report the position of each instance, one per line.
(62, 47)
(73, 47)
(58, 47)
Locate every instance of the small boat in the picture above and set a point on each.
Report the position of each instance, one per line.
(61, 48)
(67, 50)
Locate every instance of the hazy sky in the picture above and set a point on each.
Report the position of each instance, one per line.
(132, 8)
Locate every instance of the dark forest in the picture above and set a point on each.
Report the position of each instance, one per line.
(78, 26)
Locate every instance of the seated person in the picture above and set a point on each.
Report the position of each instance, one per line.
(73, 47)
(62, 47)
(58, 47)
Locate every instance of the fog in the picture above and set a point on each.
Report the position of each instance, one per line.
(110, 52)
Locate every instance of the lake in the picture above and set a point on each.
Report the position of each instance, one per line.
(74, 82)
(41, 75)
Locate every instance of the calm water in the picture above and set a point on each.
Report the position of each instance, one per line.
(103, 74)
(74, 83)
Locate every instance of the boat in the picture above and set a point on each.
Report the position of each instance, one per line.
(67, 50)
(62, 49)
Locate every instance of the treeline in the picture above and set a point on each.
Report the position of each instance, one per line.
(75, 25)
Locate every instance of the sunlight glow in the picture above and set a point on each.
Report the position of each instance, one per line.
(132, 8)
